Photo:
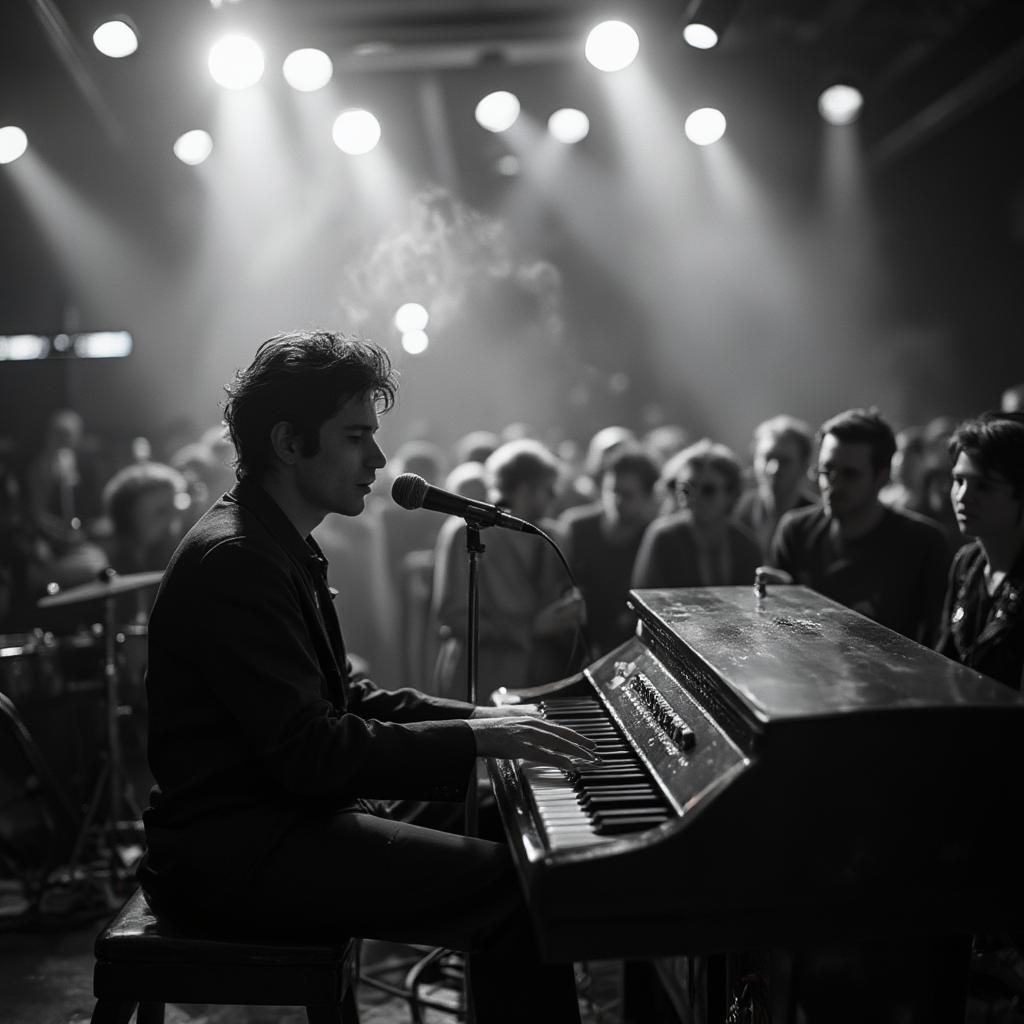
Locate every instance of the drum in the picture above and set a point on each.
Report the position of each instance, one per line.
(30, 667)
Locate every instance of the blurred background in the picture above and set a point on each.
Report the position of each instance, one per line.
(601, 267)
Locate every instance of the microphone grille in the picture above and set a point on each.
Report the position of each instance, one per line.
(410, 490)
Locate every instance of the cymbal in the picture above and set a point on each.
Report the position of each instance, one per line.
(106, 586)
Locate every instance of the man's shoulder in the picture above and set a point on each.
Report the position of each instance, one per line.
(580, 514)
(913, 524)
(802, 520)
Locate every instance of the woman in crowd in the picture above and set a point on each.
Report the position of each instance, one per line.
(983, 618)
(699, 545)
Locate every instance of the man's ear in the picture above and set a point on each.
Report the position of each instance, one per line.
(286, 443)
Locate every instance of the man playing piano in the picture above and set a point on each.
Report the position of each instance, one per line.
(271, 762)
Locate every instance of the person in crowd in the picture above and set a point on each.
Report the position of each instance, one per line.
(144, 503)
(782, 449)
(665, 440)
(602, 540)
(983, 615)
(468, 479)
(937, 432)
(581, 480)
(699, 545)
(887, 563)
(527, 612)
(476, 446)
(271, 763)
(406, 532)
(408, 539)
(909, 462)
(61, 486)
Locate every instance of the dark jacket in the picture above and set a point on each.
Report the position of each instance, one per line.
(254, 723)
(982, 632)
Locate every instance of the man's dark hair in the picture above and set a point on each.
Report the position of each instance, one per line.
(303, 378)
(632, 460)
(995, 441)
(863, 426)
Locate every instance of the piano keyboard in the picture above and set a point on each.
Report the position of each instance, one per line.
(599, 803)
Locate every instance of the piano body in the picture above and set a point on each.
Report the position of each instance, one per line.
(792, 773)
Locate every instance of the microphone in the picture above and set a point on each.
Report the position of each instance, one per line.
(412, 491)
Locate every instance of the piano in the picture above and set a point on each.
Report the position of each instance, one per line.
(777, 769)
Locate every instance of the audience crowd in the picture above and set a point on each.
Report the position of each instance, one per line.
(885, 521)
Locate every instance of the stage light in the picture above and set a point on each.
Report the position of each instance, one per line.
(102, 344)
(840, 104)
(497, 111)
(307, 70)
(13, 142)
(193, 147)
(24, 346)
(612, 46)
(700, 36)
(707, 20)
(115, 39)
(236, 62)
(569, 125)
(705, 126)
(415, 342)
(411, 316)
(356, 132)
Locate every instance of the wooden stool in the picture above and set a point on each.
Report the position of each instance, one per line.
(145, 962)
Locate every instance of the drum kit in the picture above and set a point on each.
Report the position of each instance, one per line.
(106, 828)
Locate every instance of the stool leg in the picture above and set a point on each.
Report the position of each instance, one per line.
(350, 1007)
(112, 1011)
(150, 1013)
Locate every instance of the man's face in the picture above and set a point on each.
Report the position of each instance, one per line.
(625, 499)
(339, 476)
(984, 503)
(848, 482)
(778, 466)
(533, 499)
(703, 492)
(155, 516)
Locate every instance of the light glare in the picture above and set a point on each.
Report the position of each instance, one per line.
(115, 39)
(701, 37)
(569, 125)
(102, 344)
(13, 142)
(705, 126)
(612, 46)
(307, 70)
(236, 62)
(497, 111)
(193, 147)
(415, 342)
(840, 104)
(411, 316)
(356, 132)
(24, 346)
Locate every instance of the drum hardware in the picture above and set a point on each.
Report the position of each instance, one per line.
(119, 835)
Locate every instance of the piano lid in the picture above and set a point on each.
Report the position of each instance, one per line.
(795, 654)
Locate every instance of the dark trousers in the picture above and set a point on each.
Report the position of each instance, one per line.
(354, 873)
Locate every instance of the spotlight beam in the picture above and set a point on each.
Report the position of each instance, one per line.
(60, 37)
(953, 105)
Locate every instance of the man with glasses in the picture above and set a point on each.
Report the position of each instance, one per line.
(886, 563)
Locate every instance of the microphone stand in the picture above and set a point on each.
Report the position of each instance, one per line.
(474, 549)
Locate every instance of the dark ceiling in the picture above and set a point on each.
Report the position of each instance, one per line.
(922, 63)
